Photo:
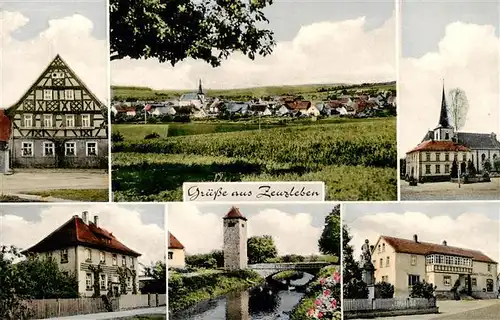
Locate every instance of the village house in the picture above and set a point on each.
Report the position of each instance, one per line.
(432, 159)
(81, 246)
(196, 99)
(58, 123)
(176, 253)
(403, 263)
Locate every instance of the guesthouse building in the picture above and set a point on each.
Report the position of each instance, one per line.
(176, 253)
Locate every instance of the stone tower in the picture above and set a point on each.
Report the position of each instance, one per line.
(235, 240)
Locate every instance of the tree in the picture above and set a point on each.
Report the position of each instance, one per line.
(496, 164)
(454, 169)
(384, 290)
(261, 248)
(157, 271)
(209, 30)
(458, 108)
(96, 271)
(470, 168)
(487, 165)
(354, 286)
(329, 242)
(422, 290)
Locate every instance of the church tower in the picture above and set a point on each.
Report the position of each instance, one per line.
(201, 95)
(235, 240)
(200, 88)
(444, 130)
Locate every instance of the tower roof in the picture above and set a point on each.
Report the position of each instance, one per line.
(444, 122)
(200, 88)
(234, 213)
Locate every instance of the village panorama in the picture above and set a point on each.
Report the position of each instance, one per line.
(334, 133)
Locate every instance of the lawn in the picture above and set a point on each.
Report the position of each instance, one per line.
(8, 198)
(86, 195)
(356, 158)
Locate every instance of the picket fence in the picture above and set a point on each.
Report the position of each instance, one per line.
(53, 308)
(354, 305)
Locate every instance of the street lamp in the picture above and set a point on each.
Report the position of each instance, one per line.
(458, 166)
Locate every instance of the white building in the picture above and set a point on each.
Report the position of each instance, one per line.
(176, 253)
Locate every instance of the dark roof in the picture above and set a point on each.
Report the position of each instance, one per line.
(4, 126)
(478, 140)
(431, 145)
(234, 213)
(425, 248)
(443, 117)
(75, 232)
(173, 243)
(298, 105)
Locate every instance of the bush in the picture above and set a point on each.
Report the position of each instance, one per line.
(384, 290)
(496, 164)
(153, 135)
(422, 290)
(487, 165)
(117, 137)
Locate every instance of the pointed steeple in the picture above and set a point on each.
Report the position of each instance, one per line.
(200, 88)
(443, 118)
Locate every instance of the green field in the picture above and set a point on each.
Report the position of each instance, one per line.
(356, 158)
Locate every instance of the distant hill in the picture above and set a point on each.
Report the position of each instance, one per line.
(308, 91)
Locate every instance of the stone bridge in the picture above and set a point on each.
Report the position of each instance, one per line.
(266, 270)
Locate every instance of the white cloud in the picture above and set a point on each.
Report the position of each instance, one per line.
(71, 37)
(125, 224)
(468, 58)
(474, 231)
(201, 232)
(324, 52)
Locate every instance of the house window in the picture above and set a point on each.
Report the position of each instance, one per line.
(446, 168)
(28, 120)
(446, 157)
(88, 281)
(473, 282)
(489, 285)
(438, 156)
(438, 168)
(489, 267)
(464, 157)
(86, 120)
(447, 136)
(64, 256)
(91, 149)
(47, 94)
(131, 261)
(103, 281)
(427, 169)
(27, 149)
(48, 149)
(88, 255)
(170, 255)
(124, 261)
(387, 261)
(381, 265)
(70, 149)
(102, 257)
(379, 248)
(447, 280)
(385, 278)
(69, 94)
(413, 260)
(70, 120)
(383, 247)
(413, 279)
(57, 75)
(428, 156)
(129, 282)
(115, 260)
(47, 120)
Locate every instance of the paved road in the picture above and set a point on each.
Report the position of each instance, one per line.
(459, 310)
(451, 191)
(116, 315)
(42, 180)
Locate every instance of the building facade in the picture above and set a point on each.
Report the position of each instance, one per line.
(81, 246)
(235, 240)
(403, 263)
(176, 253)
(58, 123)
(432, 159)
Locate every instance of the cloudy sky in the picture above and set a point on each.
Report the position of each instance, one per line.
(468, 225)
(295, 228)
(33, 32)
(460, 46)
(139, 227)
(318, 42)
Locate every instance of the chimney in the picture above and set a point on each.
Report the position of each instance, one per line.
(85, 217)
(415, 238)
(445, 243)
(96, 220)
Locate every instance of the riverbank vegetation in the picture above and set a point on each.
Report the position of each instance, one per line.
(186, 290)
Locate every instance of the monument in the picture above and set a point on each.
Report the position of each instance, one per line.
(368, 269)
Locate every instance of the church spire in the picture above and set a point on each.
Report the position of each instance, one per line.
(443, 118)
(200, 88)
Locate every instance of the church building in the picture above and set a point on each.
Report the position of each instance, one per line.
(432, 159)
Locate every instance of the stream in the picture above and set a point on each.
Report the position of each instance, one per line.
(261, 303)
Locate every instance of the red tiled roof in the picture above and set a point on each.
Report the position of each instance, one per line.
(173, 243)
(298, 105)
(335, 104)
(425, 248)
(4, 126)
(431, 145)
(234, 213)
(75, 232)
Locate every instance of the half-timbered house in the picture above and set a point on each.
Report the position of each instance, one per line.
(59, 123)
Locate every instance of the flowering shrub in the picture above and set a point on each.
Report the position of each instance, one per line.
(327, 304)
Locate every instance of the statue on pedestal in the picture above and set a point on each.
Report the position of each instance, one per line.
(367, 268)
